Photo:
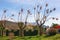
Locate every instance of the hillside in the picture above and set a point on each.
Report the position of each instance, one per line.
(9, 25)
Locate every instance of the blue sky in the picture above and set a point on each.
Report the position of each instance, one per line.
(14, 6)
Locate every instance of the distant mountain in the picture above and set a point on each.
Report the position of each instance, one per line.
(31, 23)
(9, 25)
(34, 23)
(44, 26)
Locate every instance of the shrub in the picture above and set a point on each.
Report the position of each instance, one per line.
(30, 33)
(51, 31)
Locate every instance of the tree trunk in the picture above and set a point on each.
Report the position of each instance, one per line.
(1, 32)
(4, 32)
(21, 32)
(40, 30)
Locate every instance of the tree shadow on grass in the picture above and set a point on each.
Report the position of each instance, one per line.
(48, 36)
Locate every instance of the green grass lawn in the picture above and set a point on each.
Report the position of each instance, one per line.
(55, 37)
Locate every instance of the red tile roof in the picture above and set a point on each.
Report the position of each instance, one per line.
(57, 27)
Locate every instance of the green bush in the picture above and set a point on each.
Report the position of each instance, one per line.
(30, 33)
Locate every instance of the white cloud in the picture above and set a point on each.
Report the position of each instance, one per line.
(12, 1)
(20, 1)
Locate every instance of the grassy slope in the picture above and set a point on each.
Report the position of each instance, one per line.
(56, 37)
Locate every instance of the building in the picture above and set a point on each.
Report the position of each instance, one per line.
(57, 27)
